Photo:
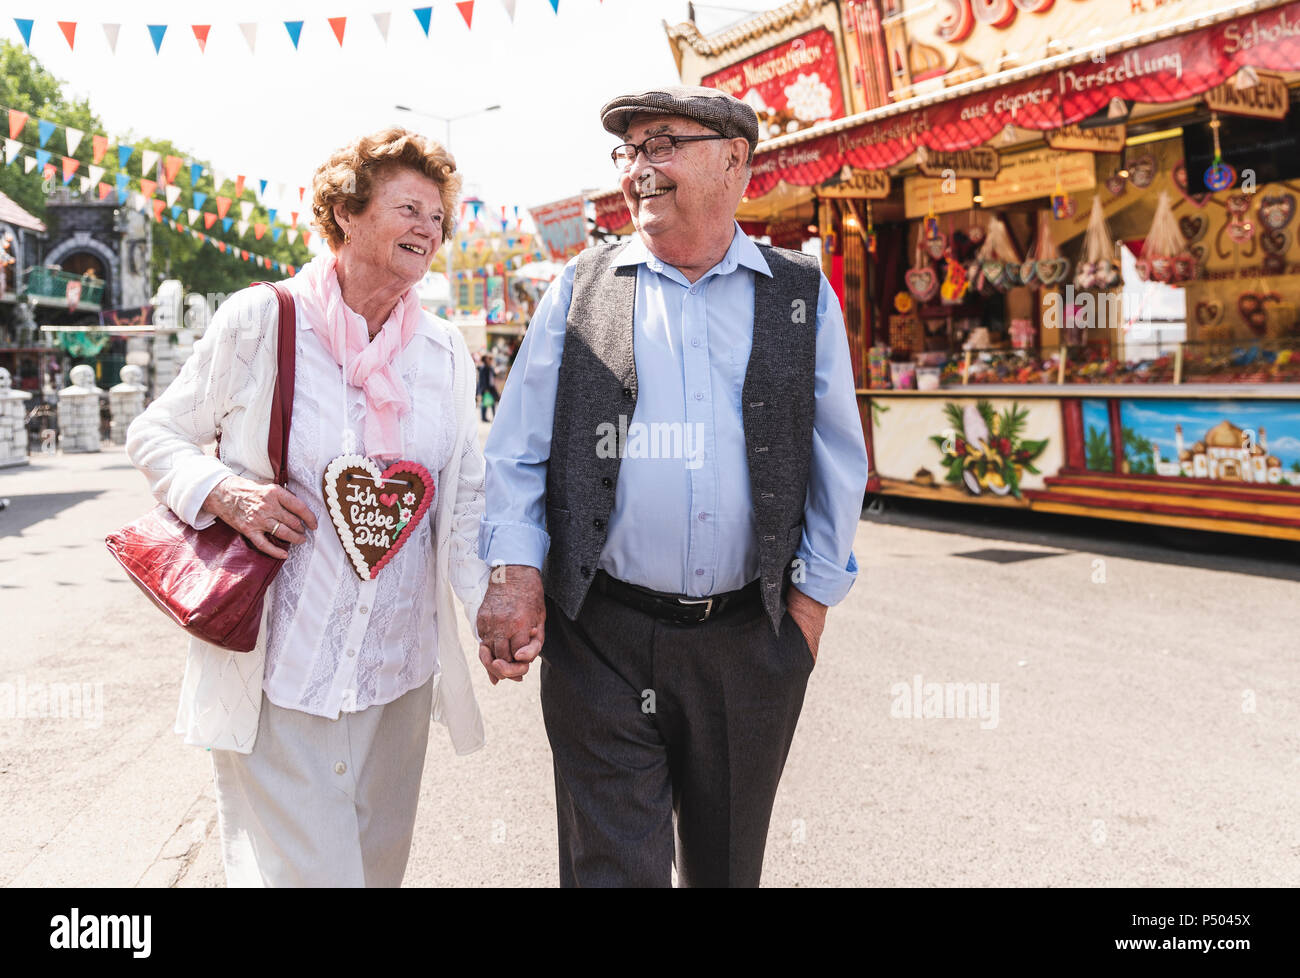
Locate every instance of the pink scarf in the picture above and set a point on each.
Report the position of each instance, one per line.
(371, 364)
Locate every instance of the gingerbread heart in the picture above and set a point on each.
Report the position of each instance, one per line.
(1162, 269)
(1013, 274)
(1193, 227)
(1051, 270)
(1209, 312)
(375, 511)
(1184, 267)
(1108, 274)
(936, 246)
(1276, 210)
(1179, 176)
(1086, 277)
(1142, 171)
(995, 273)
(1116, 184)
(1275, 241)
(1238, 204)
(1143, 266)
(922, 283)
(1251, 307)
(1241, 231)
(1274, 265)
(1028, 272)
(976, 234)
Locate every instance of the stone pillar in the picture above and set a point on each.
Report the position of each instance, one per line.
(79, 412)
(13, 427)
(126, 402)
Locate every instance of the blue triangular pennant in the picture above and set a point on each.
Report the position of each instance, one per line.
(227, 223)
(263, 184)
(555, 5)
(121, 188)
(25, 26)
(199, 199)
(422, 14)
(45, 128)
(275, 233)
(176, 212)
(196, 171)
(271, 212)
(42, 157)
(156, 31)
(294, 27)
(124, 152)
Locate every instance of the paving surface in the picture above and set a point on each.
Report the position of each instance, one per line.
(1146, 731)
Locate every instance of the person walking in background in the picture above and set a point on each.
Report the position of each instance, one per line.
(487, 386)
(676, 594)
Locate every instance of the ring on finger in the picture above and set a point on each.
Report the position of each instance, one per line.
(274, 528)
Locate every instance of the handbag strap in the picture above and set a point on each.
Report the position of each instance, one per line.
(277, 443)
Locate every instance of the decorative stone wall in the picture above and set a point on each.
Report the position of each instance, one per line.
(79, 412)
(13, 429)
(126, 402)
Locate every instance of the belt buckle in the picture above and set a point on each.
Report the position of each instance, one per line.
(707, 602)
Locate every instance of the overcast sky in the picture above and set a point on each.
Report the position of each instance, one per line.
(276, 113)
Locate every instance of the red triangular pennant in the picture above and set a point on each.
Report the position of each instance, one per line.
(17, 122)
(99, 144)
(301, 191)
(171, 167)
(69, 167)
(221, 247)
(209, 219)
(223, 205)
(239, 186)
(147, 187)
(104, 190)
(338, 24)
(306, 236)
(201, 35)
(158, 206)
(258, 231)
(294, 215)
(466, 8)
(69, 28)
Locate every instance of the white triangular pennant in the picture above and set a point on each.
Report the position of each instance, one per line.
(250, 35)
(138, 202)
(193, 214)
(245, 210)
(110, 32)
(173, 192)
(381, 21)
(96, 173)
(242, 228)
(74, 139)
(292, 235)
(148, 160)
(29, 164)
(510, 9)
(85, 184)
(218, 178)
(12, 149)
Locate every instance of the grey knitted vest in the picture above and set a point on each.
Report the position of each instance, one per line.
(598, 383)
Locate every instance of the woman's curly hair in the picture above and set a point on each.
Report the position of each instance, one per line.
(348, 176)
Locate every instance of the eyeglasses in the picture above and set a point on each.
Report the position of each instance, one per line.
(657, 149)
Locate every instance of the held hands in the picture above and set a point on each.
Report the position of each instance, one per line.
(809, 614)
(511, 622)
(261, 512)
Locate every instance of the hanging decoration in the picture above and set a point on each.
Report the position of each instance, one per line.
(1164, 243)
(1099, 265)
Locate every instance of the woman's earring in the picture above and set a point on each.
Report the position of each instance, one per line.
(347, 237)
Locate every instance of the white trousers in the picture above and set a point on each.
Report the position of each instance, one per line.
(324, 802)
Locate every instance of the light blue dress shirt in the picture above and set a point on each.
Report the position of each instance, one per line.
(683, 519)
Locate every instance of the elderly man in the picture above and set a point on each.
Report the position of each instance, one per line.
(673, 485)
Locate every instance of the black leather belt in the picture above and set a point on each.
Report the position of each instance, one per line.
(677, 608)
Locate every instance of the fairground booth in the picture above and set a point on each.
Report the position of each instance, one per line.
(1063, 233)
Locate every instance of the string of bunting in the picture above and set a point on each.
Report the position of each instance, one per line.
(261, 261)
(201, 32)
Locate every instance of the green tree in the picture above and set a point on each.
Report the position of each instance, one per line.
(1098, 451)
(1139, 453)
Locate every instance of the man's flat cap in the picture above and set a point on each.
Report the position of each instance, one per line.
(719, 111)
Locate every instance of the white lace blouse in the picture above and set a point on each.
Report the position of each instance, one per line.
(336, 643)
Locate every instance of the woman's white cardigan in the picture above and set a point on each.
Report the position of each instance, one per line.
(226, 388)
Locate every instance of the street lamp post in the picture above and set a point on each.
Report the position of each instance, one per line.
(448, 120)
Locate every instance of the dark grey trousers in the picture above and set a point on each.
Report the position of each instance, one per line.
(668, 741)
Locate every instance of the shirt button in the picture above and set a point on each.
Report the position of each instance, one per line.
(699, 572)
(598, 524)
(627, 393)
(351, 653)
(584, 571)
(699, 395)
(703, 517)
(607, 482)
(364, 610)
(695, 290)
(340, 768)
(695, 342)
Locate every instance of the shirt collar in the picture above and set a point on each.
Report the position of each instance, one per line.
(742, 251)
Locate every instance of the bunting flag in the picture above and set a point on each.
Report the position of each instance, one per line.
(294, 27)
(192, 214)
(176, 212)
(245, 210)
(173, 193)
(466, 8)
(201, 35)
(124, 151)
(555, 5)
(258, 231)
(242, 228)
(149, 160)
(239, 185)
(84, 183)
(196, 171)
(306, 236)
(199, 199)
(275, 233)
(69, 168)
(271, 212)
(104, 190)
(69, 28)
(158, 206)
(29, 164)
(510, 9)
(156, 32)
(171, 167)
(223, 205)
(45, 129)
(147, 187)
(12, 146)
(301, 191)
(73, 138)
(17, 123)
(25, 28)
(338, 24)
(250, 35)
(99, 146)
(293, 219)
(292, 235)
(422, 14)
(227, 223)
(381, 21)
(262, 191)
(121, 188)
(110, 34)
(96, 173)
(43, 158)
(209, 219)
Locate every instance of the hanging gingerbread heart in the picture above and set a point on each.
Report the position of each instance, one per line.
(936, 246)
(1209, 312)
(1276, 210)
(1238, 204)
(994, 272)
(1028, 272)
(1051, 270)
(1116, 184)
(1193, 227)
(1179, 175)
(976, 234)
(922, 283)
(1275, 241)
(1184, 267)
(1142, 171)
(1251, 306)
(375, 510)
(1274, 265)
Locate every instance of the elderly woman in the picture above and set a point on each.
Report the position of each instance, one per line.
(318, 736)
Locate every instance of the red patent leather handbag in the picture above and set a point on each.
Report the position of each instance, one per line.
(213, 582)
